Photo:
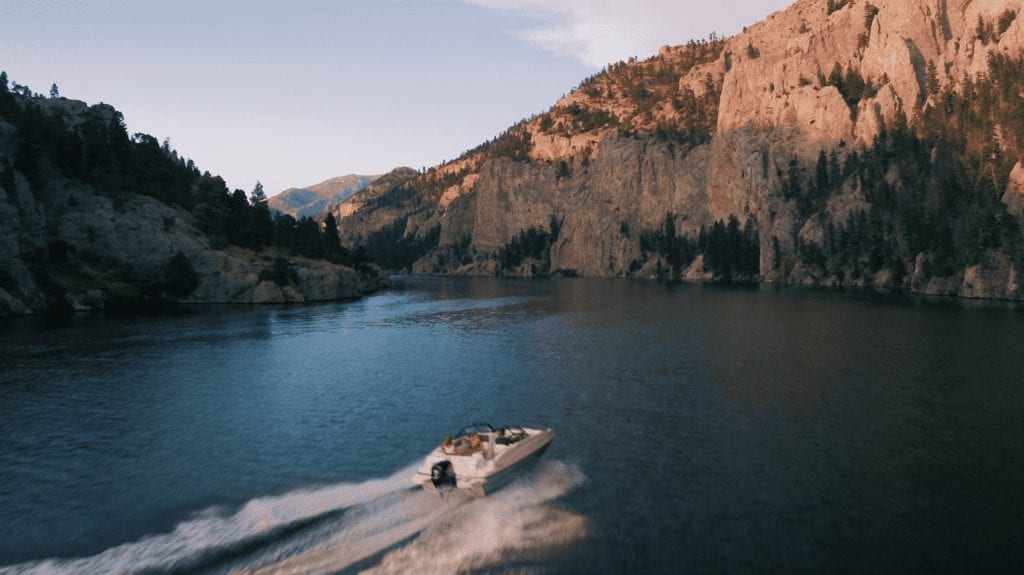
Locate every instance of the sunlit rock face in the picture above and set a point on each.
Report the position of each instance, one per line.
(600, 162)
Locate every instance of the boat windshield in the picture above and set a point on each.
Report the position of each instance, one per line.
(475, 428)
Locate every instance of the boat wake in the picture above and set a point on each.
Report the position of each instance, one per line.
(378, 526)
(517, 523)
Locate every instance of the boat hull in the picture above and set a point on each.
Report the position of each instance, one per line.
(484, 477)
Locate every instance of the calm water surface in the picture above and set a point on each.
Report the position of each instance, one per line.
(700, 429)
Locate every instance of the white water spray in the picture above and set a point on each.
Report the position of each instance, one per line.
(456, 534)
(211, 530)
(382, 520)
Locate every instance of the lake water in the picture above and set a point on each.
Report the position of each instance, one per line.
(700, 429)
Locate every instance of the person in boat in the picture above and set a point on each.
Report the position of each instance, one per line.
(462, 445)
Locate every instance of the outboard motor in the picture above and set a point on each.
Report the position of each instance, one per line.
(442, 474)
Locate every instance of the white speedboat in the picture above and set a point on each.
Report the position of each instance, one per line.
(472, 459)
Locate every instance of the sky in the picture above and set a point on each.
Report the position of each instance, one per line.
(293, 93)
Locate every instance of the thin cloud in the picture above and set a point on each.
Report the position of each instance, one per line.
(598, 32)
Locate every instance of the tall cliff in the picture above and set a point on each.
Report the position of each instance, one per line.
(835, 143)
(91, 219)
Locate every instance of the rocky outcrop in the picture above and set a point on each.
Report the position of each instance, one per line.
(1014, 195)
(86, 252)
(605, 161)
(890, 42)
(381, 210)
(64, 248)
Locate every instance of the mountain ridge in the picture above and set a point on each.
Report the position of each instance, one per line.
(314, 200)
(808, 129)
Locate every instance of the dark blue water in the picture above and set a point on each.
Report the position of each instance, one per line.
(700, 429)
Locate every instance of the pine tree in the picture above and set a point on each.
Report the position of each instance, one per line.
(870, 11)
(821, 175)
(563, 170)
(1005, 20)
(932, 79)
(332, 241)
(238, 217)
(54, 91)
(791, 187)
(8, 107)
(854, 87)
(835, 77)
(308, 241)
(257, 196)
(834, 171)
(983, 31)
(212, 205)
(750, 250)
(259, 227)
(284, 231)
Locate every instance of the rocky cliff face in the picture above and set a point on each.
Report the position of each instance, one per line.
(800, 129)
(64, 247)
(370, 207)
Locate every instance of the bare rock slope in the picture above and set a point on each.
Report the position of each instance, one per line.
(833, 143)
(96, 254)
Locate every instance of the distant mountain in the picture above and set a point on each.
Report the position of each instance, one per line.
(313, 200)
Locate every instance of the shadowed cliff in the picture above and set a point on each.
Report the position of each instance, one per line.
(92, 219)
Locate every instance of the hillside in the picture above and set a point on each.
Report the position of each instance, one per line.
(313, 201)
(92, 219)
(841, 143)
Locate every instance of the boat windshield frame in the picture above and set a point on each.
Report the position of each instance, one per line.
(475, 427)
